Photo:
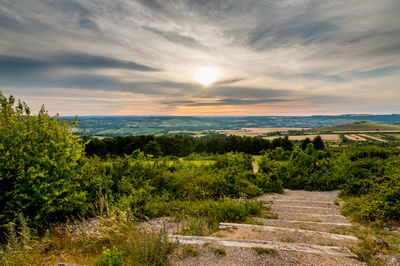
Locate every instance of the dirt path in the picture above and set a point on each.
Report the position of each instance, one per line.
(299, 233)
(255, 166)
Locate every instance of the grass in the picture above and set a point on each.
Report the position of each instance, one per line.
(287, 240)
(252, 221)
(197, 226)
(219, 234)
(261, 250)
(219, 251)
(119, 241)
(190, 251)
(368, 247)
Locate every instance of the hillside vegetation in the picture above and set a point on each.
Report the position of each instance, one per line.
(47, 180)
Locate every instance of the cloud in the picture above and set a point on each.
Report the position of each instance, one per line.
(175, 37)
(223, 102)
(289, 53)
(10, 64)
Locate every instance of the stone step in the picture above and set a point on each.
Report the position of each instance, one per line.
(280, 246)
(283, 234)
(307, 225)
(303, 209)
(334, 193)
(297, 216)
(306, 203)
(302, 198)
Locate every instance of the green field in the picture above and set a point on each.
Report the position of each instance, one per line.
(359, 126)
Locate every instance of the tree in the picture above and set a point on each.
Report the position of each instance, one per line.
(39, 162)
(153, 148)
(287, 144)
(304, 144)
(318, 143)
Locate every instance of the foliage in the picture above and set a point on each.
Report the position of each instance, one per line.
(111, 257)
(39, 165)
(318, 144)
(179, 145)
(304, 143)
(141, 185)
(371, 176)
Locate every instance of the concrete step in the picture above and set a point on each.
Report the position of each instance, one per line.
(283, 234)
(302, 198)
(297, 216)
(306, 203)
(333, 193)
(280, 246)
(306, 225)
(303, 209)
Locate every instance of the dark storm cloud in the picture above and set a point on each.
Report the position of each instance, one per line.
(12, 64)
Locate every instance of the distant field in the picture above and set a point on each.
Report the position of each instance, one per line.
(195, 125)
(372, 137)
(354, 137)
(361, 127)
(257, 131)
(325, 137)
(397, 136)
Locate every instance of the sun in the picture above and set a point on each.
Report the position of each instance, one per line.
(206, 75)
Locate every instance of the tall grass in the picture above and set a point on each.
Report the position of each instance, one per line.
(117, 240)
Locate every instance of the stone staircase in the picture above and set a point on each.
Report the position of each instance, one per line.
(298, 234)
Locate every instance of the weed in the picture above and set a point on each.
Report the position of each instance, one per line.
(111, 257)
(219, 251)
(206, 244)
(261, 250)
(252, 221)
(287, 239)
(196, 226)
(190, 251)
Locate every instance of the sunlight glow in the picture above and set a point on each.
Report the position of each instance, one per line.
(206, 75)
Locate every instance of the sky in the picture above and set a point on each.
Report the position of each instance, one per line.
(142, 57)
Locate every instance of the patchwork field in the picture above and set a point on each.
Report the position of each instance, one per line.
(325, 137)
(354, 137)
(257, 131)
(361, 127)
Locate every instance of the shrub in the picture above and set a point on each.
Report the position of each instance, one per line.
(39, 165)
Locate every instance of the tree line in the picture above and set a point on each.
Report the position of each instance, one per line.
(179, 145)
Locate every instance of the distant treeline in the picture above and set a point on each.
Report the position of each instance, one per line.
(180, 145)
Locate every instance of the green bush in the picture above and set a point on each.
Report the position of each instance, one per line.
(39, 166)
